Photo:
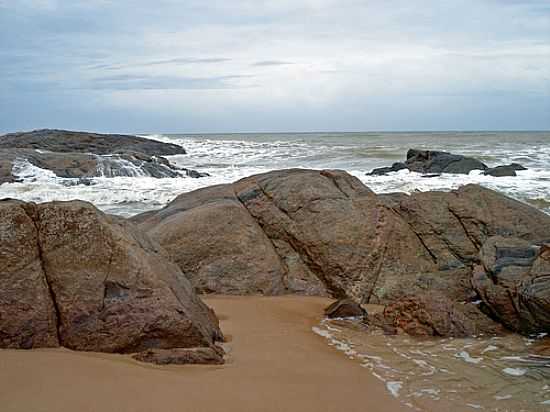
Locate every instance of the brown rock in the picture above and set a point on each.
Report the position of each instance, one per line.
(212, 355)
(350, 241)
(345, 308)
(217, 244)
(103, 284)
(324, 232)
(514, 283)
(27, 314)
(434, 314)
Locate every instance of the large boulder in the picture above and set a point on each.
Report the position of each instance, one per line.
(217, 244)
(323, 232)
(354, 244)
(75, 277)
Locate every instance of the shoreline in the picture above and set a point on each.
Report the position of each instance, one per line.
(275, 362)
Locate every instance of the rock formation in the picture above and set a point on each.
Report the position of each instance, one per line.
(504, 170)
(431, 162)
(325, 233)
(85, 155)
(64, 141)
(72, 276)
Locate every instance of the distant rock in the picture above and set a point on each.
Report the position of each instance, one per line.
(385, 170)
(505, 170)
(65, 141)
(85, 155)
(75, 277)
(427, 161)
(433, 163)
(345, 308)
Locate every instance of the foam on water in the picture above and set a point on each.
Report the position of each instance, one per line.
(425, 373)
(231, 157)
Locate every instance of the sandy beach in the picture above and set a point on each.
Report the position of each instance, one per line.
(274, 363)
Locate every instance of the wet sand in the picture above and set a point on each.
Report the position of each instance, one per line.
(275, 363)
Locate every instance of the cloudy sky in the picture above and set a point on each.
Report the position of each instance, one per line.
(282, 65)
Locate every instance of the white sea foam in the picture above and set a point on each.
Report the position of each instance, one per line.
(467, 358)
(515, 371)
(394, 387)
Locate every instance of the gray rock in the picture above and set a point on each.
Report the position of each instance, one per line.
(432, 163)
(83, 155)
(427, 161)
(384, 170)
(505, 170)
(345, 308)
(64, 141)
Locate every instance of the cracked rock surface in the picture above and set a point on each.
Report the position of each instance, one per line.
(72, 276)
(324, 233)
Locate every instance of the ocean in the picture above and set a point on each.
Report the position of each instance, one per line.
(229, 157)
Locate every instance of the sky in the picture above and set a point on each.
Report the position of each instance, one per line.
(195, 66)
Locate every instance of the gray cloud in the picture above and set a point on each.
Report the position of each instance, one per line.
(363, 65)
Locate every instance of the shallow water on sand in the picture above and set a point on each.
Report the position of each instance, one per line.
(229, 157)
(507, 373)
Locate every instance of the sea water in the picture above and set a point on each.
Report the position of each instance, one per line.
(229, 157)
(491, 373)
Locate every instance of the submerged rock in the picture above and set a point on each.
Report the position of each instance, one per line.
(75, 277)
(505, 170)
(384, 170)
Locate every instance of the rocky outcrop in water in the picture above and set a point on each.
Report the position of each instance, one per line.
(65, 141)
(431, 162)
(504, 171)
(81, 155)
(324, 232)
(72, 276)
